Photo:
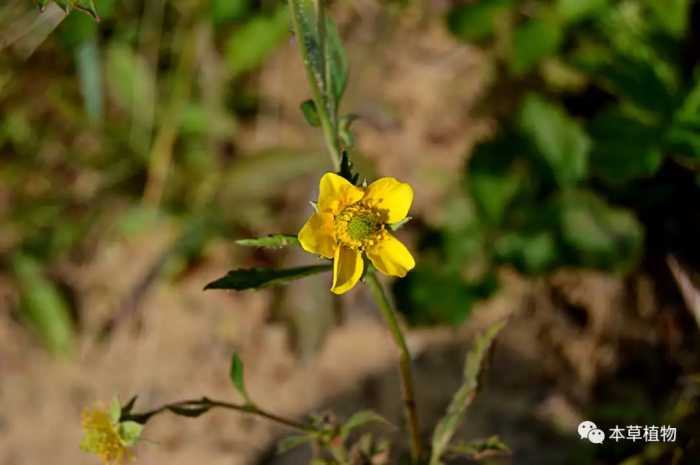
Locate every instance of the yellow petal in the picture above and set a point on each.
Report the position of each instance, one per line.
(392, 196)
(317, 235)
(336, 193)
(347, 269)
(391, 257)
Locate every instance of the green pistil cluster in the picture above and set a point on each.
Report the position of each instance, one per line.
(359, 226)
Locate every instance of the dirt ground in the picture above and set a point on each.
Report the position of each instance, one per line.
(567, 334)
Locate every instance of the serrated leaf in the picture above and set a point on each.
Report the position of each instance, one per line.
(259, 278)
(308, 109)
(236, 374)
(273, 241)
(560, 140)
(129, 432)
(359, 419)
(190, 411)
(291, 442)
(129, 406)
(448, 425)
(346, 169)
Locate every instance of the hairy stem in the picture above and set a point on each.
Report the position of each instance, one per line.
(317, 83)
(407, 385)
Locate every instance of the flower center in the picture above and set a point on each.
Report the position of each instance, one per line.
(359, 226)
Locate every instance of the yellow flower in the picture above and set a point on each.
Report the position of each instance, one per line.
(351, 221)
(106, 437)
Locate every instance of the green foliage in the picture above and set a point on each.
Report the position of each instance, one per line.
(358, 420)
(476, 21)
(248, 46)
(43, 306)
(559, 140)
(258, 278)
(236, 374)
(447, 426)
(532, 41)
(308, 109)
(273, 241)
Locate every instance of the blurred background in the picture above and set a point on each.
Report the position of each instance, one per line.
(554, 148)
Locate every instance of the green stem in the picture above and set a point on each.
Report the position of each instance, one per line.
(206, 403)
(409, 401)
(316, 82)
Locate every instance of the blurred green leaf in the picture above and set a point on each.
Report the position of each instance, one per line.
(560, 140)
(259, 278)
(575, 10)
(448, 425)
(430, 295)
(292, 442)
(273, 241)
(129, 79)
(597, 234)
(248, 46)
(533, 41)
(236, 373)
(639, 83)
(496, 175)
(89, 70)
(308, 109)
(358, 420)
(529, 251)
(224, 11)
(478, 448)
(672, 14)
(624, 148)
(476, 21)
(43, 306)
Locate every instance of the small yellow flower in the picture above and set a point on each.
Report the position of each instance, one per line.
(106, 437)
(351, 221)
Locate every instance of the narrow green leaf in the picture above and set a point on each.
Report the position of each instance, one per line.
(129, 432)
(359, 419)
(400, 224)
(86, 6)
(306, 25)
(190, 411)
(259, 278)
(308, 109)
(448, 425)
(478, 448)
(346, 169)
(236, 373)
(337, 59)
(273, 241)
(291, 442)
(43, 306)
